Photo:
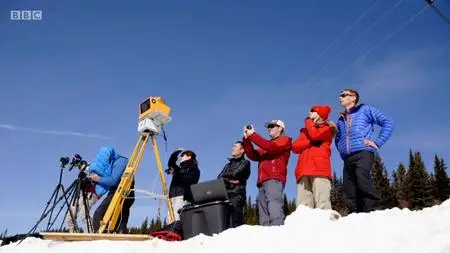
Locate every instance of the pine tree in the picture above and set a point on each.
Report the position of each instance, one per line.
(337, 195)
(398, 186)
(158, 224)
(292, 206)
(434, 191)
(152, 225)
(256, 212)
(4, 234)
(418, 185)
(382, 183)
(144, 229)
(250, 213)
(247, 211)
(285, 205)
(441, 182)
(411, 160)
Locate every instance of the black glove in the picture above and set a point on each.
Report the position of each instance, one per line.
(315, 143)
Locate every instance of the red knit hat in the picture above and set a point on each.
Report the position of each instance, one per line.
(322, 110)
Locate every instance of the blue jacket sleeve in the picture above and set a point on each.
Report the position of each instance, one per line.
(116, 174)
(386, 124)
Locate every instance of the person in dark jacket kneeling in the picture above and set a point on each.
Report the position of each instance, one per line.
(183, 176)
(235, 175)
(106, 171)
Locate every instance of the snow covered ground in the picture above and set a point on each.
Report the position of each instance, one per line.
(306, 230)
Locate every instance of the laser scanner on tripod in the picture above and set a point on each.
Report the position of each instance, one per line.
(153, 114)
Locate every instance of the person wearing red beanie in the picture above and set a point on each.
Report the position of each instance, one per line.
(313, 170)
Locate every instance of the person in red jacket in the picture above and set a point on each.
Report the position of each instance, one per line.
(273, 157)
(313, 170)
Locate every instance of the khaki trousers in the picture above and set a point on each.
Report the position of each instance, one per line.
(314, 192)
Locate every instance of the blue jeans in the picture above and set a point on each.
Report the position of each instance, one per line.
(270, 203)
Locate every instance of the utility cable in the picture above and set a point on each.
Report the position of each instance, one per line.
(359, 37)
(382, 41)
(342, 35)
(441, 14)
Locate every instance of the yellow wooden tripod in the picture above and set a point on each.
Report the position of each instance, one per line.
(153, 114)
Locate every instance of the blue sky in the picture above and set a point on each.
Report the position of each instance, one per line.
(86, 66)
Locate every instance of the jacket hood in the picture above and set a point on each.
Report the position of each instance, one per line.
(104, 158)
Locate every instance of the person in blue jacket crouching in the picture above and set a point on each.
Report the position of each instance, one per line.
(357, 146)
(106, 171)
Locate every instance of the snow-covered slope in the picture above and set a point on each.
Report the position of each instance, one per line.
(306, 230)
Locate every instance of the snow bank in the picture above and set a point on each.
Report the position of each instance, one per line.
(306, 230)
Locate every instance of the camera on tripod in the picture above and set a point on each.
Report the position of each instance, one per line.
(77, 161)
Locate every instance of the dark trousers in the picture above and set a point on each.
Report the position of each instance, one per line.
(121, 225)
(237, 216)
(359, 191)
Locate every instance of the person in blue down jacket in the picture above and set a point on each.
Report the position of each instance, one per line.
(106, 171)
(357, 146)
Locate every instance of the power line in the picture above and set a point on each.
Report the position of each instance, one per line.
(383, 41)
(359, 37)
(441, 14)
(340, 36)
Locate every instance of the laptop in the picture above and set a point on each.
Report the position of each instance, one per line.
(209, 191)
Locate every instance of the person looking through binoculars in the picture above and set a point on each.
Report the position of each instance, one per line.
(183, 176)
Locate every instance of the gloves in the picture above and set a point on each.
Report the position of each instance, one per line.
(315, 143)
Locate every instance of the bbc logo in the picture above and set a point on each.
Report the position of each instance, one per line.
(26, 15)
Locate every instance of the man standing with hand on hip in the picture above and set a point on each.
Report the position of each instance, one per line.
(273, 157)
(357, 147)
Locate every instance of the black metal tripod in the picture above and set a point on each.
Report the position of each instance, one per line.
(71, 195)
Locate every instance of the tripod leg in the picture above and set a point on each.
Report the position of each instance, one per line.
(87, 208)
(72, 209)
(44, 215)
(58, 187)
(116, 204)
(48, 204)
(66, 196)
(163, 180)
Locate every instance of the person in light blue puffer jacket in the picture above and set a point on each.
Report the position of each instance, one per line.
(357, 146)
(106, 171)
(102, 166)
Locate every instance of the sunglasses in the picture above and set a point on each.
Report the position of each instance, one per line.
(312, 110)
(345, 95)
(271, 126)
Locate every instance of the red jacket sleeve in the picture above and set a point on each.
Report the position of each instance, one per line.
(318, 133)
(276, 146)
(251, 153)
(301, 143)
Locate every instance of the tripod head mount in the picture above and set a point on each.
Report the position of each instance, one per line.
(64, 161)
(153, 114)
(77, 161)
